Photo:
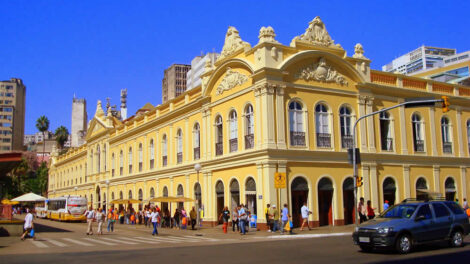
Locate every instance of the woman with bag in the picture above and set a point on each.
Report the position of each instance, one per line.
(225, 216)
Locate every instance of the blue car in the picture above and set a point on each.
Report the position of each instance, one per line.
(413, 222)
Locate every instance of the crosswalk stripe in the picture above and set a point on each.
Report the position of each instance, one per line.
(39, 244)
(57, 243)
(100, 242)
(119, 241)
(161, 239)
(202, 238)
(78, 242)
(139, 240)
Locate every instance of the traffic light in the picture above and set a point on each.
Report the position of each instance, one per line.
(358, 181)
(445, 104)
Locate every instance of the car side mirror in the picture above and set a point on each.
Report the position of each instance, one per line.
(420, 218)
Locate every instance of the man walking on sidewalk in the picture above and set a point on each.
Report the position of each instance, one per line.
(154, 217)
(285, 219)
(193, 216)
(28, 224)
(90, 216)
(305, 213)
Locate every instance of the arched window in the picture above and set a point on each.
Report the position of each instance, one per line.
(130, 160)
(179, 190)
(322, 126)
(141, 195)
(121, 162)
(418, 138)
(130, 194)
(219, 144)
(121, 196)
(446, 135)
(386, 131)
(296, 124)
(233, 141)
(164, 151)
(152, 154)
(152, 192)
(113, 165)
(91, 162)
(421, 188)
(345, 120)
(450, 189)
(250, 127)
(104, 157)
(197, 141)
(141, 157)
(165, 191)
(179, 145)
(112, 196)
(250, 195)
(98, 158)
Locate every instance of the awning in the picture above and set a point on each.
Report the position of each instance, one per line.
(29, 197)
(6, 201)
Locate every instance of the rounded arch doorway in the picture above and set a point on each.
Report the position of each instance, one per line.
(325, 202)
(348, 201)
(234, 194)
(219, 192)
(299, 190)
(450, 189)
(389, 190)
(421, 189)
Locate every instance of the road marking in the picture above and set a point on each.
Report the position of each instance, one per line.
(185, 239)
(203, 238)
(57, 243)
(39, 244)
(139, 240)
(306, 236)
(78, 242)
(100, 242)
(119, 241)
(161, 239)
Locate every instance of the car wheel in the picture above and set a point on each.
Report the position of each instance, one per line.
(365, 248)
(403, 244)
(456, 239)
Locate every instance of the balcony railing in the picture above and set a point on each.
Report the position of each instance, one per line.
(447, 147)
(249, 141)
(219, 149)
(112, 173)
(165, 160)
(233, 144)
(197, 153)
(419, 145)
(297, 138)
(347, 141)
(387, 144)
(323, 140)
(152, 163)
(179, 157)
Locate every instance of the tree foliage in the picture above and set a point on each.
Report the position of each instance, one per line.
(61, 136)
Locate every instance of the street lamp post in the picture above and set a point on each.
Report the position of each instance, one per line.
(197, 168)
(107, 194)
(410, 103)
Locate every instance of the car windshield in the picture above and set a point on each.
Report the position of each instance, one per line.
(399, 211)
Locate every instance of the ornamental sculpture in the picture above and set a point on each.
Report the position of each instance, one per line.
(359, 52)
(231, 79)
(316, 34)
(321, 72)
(266, 34)
(233, 43)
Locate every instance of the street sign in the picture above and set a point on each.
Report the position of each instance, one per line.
(280, 180)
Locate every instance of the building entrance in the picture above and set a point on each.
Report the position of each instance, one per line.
(348, 201)
(325, 202)
(219, 190)
(299, 189)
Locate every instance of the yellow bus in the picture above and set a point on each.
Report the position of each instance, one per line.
(70, 208)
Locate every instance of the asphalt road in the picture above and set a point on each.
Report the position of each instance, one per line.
(249, 249)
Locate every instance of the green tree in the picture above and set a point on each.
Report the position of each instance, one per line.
(42, 124)
(61, 136)
(42, 175)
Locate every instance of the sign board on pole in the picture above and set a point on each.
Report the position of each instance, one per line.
(280, 180)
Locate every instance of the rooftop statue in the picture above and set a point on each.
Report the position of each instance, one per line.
(233, 43)
(316, 34)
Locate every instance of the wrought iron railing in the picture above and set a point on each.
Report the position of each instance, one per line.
(249, 141)
(197, 153)
(179, 157)
(323, 140)
(233, 144)
(419, 145)
(447, 147)
(297, 138)
(347, 141)
(219, 148)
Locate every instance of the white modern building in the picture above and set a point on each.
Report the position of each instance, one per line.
(193, 77)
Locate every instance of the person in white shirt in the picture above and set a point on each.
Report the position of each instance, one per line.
(305, 212)
(154, 217)
(90, 216)
(100, 219)
(28, 224)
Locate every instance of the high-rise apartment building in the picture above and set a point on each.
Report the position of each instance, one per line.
(12, 112)
(193, 78)
(79, 122)
(174, 81)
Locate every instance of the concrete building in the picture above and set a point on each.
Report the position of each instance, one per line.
(12, 114)
(174, 81)
(31, 139)
(193, 77)
(79, 122)
(275, 108)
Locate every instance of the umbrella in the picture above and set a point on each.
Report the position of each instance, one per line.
(29, 197)
(117, 201)
(163, 199)
(6, 201)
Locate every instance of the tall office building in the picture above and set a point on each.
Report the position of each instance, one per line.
(193, 78)
(79, 122)
(12, 111)
(174, 81)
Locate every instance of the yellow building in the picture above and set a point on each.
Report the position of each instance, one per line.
(276, 108)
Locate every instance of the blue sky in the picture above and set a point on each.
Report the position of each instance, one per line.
(95, 48)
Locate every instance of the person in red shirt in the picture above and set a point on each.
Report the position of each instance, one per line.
(370, 210)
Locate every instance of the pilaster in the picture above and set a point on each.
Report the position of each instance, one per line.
(432, 127)
(257, 116)
(374, 186)
(463, 178)
(366, 178)
(362, 126)
(170, 146)
(436, 177)
(403, 136)
(186, 141)
(406, 181)
(459, 132)
(280, 117)
(267, 98)
(370, 125)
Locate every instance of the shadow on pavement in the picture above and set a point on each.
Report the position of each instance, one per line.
(443, 258)
(48, 229)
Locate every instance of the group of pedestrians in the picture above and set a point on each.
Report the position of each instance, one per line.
(99, 216)
(240, 219)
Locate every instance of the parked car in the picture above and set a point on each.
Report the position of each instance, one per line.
(414, 222)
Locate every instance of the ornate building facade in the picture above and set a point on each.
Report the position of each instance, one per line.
(276, 108)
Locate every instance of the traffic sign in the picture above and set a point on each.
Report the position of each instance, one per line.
(280, 180)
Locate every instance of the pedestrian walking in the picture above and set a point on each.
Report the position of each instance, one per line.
(243, 217)
(386, 205)
(99, 216)
(90, 216)
(305, 213)
(285, 219)
(110, 218)
(465, 204)
(146, 216)
(268, 217)
(370, 210)
(225, 216)
(275, 218)
(184, 218)
(154, 218)
(235, 220)
(193, 216)
(28, 225)
(361, 209)
(176, 218)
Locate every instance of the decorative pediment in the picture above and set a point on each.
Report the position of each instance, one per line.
(231, 80)
(232, 44)
(316, 34)
(322, 72)
(99, 110)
